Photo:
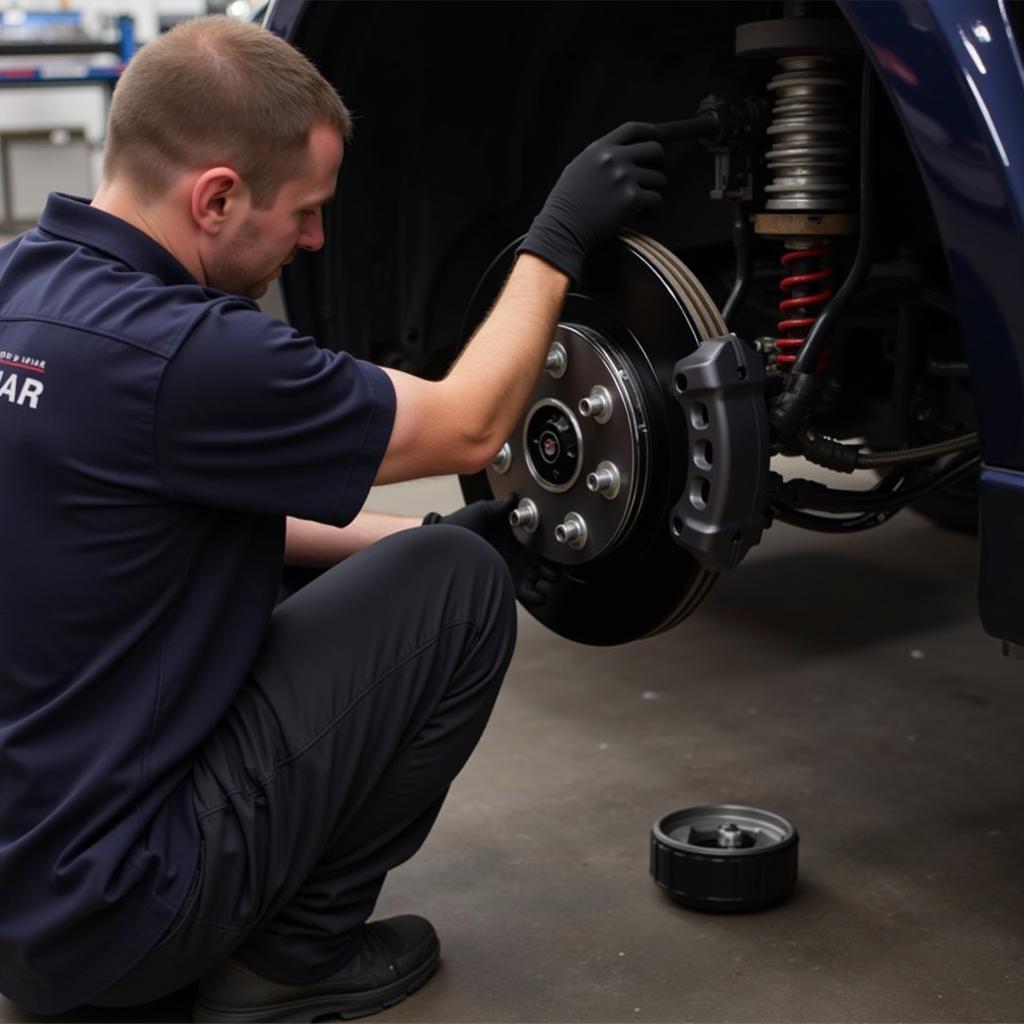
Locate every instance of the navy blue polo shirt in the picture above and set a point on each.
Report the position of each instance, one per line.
(154, 433)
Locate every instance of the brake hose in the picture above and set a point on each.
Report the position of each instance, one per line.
(873, 460)
(744, 261)
(845, 458)
(874, 507)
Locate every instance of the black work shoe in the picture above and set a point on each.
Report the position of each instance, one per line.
(396, 957)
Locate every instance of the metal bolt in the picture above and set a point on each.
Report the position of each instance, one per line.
(730, 837)
(503, 460)
(557, 360)
(597, 404)
(572, 531)
(605, 480)
(524, 516)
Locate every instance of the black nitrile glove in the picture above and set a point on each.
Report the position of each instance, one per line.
(487, 519)
(615, 179)
(534, 578)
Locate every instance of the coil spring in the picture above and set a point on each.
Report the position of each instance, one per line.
(811, 273)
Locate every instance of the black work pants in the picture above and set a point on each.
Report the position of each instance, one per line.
(372, 688)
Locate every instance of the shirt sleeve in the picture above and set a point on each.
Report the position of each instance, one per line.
(253, 416)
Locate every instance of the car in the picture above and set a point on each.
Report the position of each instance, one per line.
(837, 276)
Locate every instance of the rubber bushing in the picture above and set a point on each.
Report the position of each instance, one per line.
(725, 858)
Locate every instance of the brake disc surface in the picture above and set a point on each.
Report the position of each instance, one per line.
(600, 454)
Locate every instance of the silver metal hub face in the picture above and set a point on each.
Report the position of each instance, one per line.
(580, 453)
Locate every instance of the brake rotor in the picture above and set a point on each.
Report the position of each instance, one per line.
(600, 454)
(725, 858)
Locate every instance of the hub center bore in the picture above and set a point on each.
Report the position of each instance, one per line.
(553, 445)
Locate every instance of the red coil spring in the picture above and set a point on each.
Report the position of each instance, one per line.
(789, 343)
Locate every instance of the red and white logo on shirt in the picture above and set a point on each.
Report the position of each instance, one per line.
(21, 379)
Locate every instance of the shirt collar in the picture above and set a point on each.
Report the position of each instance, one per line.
(75, 219)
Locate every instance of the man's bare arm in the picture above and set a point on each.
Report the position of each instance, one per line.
(318, 546)
(458, 424)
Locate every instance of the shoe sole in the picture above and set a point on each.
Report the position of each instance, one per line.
(302, 1011)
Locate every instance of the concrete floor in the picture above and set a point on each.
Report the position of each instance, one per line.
(843, 682)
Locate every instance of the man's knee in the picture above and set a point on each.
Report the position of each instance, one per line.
(468, 567)
(472, 558)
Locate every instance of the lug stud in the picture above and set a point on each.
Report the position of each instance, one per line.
(502, 462)
(524, 516)
(557, 360)
(605, 480)
(598, 404)
(572, 531)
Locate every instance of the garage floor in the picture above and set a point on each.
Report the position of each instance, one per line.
(843, 682)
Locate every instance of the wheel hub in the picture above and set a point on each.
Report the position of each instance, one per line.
(581, 455)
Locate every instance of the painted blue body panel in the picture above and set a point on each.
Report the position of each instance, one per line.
(1001, 553)
(954, 74)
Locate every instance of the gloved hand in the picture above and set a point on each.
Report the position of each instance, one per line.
(487, 519)
(534, 578)
(616, 178)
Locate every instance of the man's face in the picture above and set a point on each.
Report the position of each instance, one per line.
(265, 240)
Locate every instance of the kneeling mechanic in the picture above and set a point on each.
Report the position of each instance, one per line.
(196, 780)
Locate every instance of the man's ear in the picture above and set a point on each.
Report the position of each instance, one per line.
(218, 198)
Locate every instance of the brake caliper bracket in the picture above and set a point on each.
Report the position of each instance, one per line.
(720, 515)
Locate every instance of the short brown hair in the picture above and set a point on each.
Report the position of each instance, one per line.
(217, 90)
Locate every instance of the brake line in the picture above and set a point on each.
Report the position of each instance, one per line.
(872, 460)
(845, 458)
(874, 507)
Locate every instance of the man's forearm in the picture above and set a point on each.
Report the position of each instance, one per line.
(498, 370)
(458, 424)
(318, 546)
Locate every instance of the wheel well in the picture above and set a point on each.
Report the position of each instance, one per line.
(456, 146)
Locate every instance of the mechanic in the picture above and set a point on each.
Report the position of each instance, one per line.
(194, 783)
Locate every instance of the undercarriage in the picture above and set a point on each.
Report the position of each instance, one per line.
(793, 301)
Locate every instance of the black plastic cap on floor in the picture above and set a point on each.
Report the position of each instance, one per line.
(691, 864)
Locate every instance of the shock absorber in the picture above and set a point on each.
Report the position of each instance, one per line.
(809, 160)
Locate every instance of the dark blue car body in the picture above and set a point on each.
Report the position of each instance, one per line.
(954, 71)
